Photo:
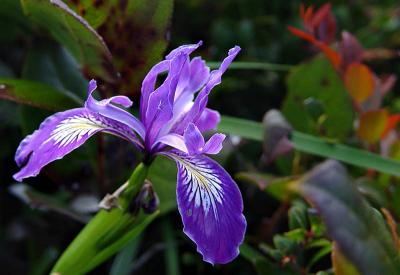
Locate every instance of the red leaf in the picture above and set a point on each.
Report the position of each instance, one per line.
(391, 124)
(332, 55)
(359, 81)
(321, 14)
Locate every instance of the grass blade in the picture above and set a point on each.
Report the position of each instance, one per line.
(314, 145)
(253, 66)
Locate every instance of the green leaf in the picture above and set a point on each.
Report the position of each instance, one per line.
(37, 94)
(276, 187)
(285, 244)
(108, 232)
(13, 22)
(360, 233)
(319, 82)
(298, 216)
(132, 232)
(362, 158)
(122, 264)
(314, 145)
(252, 66)
(72, 31)
(241, 127)
(322, 252)
(371, 190)
(171, 251)
(43, 262)
(135, 31)
(262, 264)
(50, 63)
(162, 174)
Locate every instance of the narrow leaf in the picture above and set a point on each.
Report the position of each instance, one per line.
(108, 231)
(314, 145)
(122, 264)
(171, 250)
(37, 94)
(253, 66)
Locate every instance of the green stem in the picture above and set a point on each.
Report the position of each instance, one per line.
(110, 250)
(105, 230)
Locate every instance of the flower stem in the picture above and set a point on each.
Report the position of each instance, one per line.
(107, 232)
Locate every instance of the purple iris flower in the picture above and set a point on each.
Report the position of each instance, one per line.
(172, 120)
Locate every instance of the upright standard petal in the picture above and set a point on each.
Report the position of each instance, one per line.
(61, 133)
(149, 83)
(160, 106)
(193, 139)
(211, 207)
(196, 111)
(184, 49)
(208, 120)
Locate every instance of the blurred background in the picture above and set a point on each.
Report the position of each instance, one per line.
(40, 57)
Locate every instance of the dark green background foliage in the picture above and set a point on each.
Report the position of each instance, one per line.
(296, 216)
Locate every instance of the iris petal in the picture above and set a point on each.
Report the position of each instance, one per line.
(194, 114)
(184, 49)
(148, 85)
(60, 134)
(105, 108)
(214, 144)
(208, 120)
(211, 207)
(193, 139)
(160, 105)
(173, 140)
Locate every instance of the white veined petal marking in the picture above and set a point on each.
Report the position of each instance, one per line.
(74, 128)
(202, 185)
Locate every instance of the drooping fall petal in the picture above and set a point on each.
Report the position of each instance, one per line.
(211, 207)
(60, 134)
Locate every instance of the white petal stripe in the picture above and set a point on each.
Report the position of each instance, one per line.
(203, 187)
(74, 128)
